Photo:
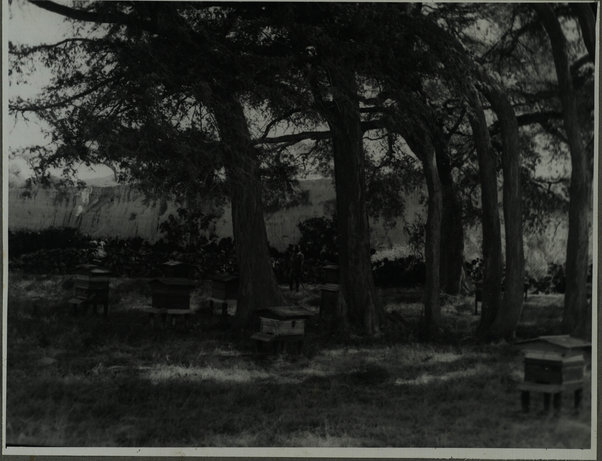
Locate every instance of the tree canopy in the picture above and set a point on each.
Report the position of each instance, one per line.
(200, 99)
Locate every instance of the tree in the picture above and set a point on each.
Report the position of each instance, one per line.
(166, 35)
(577, 315)
(492, 252)
(507, 317)
(420, 140)
(343, 117)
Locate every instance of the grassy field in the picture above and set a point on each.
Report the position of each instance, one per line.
(88, 381)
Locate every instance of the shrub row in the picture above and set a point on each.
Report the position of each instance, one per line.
(61, 250)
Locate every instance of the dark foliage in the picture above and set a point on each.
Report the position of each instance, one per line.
(401, 272)
(318, 238)
(133, 257)
(188, 229)
(26, 241)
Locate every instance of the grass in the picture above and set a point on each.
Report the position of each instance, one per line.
(86, 381)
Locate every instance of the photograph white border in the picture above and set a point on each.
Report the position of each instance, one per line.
(309, 452)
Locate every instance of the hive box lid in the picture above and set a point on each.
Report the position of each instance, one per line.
(561, 344)
(285, 312)
(173, 262)
(552, 357)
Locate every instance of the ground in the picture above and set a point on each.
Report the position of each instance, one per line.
(88, 381)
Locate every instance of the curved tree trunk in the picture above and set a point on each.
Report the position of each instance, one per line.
(423, 147)
(492, 247)
(357, 283)
(577, 310)
(432, 251)
(508, 316)
(452, 235)
(257, 283)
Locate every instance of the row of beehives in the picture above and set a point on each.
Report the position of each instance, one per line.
(171, 295)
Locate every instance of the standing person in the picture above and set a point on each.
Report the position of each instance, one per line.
(296, 267)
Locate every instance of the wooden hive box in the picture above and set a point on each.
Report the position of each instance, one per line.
(92, 280)
(283, 321)
(553, 368)
(329, 294)
(224, 286)
(171, 293)
(554, 359)
(330, 273)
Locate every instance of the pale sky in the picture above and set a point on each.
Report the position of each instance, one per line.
(28, 24)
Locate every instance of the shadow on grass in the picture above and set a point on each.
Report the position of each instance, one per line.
(91, 381)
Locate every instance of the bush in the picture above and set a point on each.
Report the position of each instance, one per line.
(25, 241)
(319, 239)
(402, 272)
(60, 251)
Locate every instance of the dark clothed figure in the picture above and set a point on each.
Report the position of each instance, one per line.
(296, 268)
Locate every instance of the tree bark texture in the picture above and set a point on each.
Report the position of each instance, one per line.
(357, 283)
(452, 229)
(421, 144)
(492, 247)
(577, 310)
(257, 282)
(508, 316)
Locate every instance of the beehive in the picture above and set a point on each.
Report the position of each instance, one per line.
(329, 294)
(91, 287)
(224, 286)
(330, 274)
(171, 293)
(553, 368)
(554, 359)
(92, 281)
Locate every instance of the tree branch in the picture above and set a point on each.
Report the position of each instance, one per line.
(294, 138)
(315, 135)
(273, 122)
(63, 102)
(82, 15)
(532, 118)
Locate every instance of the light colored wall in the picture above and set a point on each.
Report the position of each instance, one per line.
(121, 211)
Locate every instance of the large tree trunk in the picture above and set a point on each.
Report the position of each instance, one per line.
(577, 311)
(452, 235)
(357, 283)
(421, 144)
(257, 283)
(433, 239)
(507, 318)
(490, 221)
